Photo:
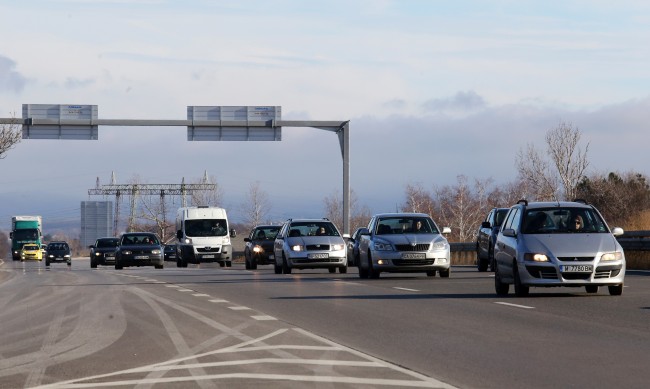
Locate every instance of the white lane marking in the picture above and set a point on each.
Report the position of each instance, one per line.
(218, 301)
(200, 295)
(406, 289)
(263, 317)
(514, 305)
(185, 290)
(239, 308)
(172, 286)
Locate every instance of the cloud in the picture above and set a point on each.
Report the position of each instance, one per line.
(9, 78)
(72, 83)
(469, 101)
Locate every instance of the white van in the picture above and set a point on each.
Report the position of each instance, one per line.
(203, 236)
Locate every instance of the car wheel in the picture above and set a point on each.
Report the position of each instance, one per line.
(372, 273)
(247, 262)
(332, 270)
(491, 258)
(500, 287)
(445, 273)
(158, 266)
(615, 290)
(481, 263)
(118, 266)
(431, 273)
(277, 268)
(228, 263)
(363, 273)
(343, 269)
(591, 288)
(286, 269)
(253, 263)
(93, 265)
(47, 263)
(520, 290)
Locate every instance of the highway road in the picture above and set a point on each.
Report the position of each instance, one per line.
(209, 327)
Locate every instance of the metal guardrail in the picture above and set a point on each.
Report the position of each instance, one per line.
(630, 240)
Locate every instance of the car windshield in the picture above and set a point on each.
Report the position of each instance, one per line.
(107, 242)
(26, 234)
(57, 246)
(313, 229)
(206, 227)
(265, 233)
(139, 240)
(30, 247)
(562, 220)
(405, 225)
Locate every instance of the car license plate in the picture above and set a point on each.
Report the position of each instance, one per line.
(318, 256)
(208, 256)
(110, 255)
(576, 268)
(414, 256)
(141, 257)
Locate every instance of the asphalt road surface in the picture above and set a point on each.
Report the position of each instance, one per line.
(209, 327)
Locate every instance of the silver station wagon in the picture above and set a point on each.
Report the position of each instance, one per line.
(546, 244)
(403, 243)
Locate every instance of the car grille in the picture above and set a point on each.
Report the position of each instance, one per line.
(208, 249)
(543, 272)
(576, 276)
(575, 259)
(417, 247)
(318, 260)
(606, 272)
(414, 262)
(318, 247)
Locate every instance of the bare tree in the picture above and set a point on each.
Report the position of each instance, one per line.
(256, 207)
(211, 197)
(359, 214)
(568, 159)
(10, 135)
(418, 200)
(459, 208)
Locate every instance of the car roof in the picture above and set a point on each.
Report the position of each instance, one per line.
(308, 220)
(267, 226)
(556, 204)
(402, 214)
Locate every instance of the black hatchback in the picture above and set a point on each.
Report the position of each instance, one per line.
(58, 252)
(139, 249)
(103, 252)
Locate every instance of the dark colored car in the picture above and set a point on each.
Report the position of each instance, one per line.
(353, 247)
(103, 252)
(487, 236)
(259, 246)
(58, 252)
(170, 252)
(139, 249)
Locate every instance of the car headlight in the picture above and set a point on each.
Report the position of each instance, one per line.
(52, 256)
(337, 247)
(127, 252)
(66, 256)
(615, 256)
(297, 247)
(439, 245)
(98, 254)
(188, 241)
(535, 257)
(257, 249)
(382, 246)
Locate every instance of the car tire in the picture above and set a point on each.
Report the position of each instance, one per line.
(228, 263)
(591, 288)
(47, 263)
(118, 266)
(491, 258)
(500, 288)
(431, 273)
(615, 290)
(363, 273)
(332, 270)
(93, 265)
(343, 269)
(520, 290)
(445, 273)
(286, 269)
(372, 273)
(253, 263)
(247, 261)
(277, 268)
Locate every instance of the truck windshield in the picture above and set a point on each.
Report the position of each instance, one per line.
(206, 227)
(30, 233)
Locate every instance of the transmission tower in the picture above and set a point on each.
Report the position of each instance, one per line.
(135, 190)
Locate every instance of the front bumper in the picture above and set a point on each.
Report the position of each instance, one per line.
(410, 262)
(551, 274)
(141, 260)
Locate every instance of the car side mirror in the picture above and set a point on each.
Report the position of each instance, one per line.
(233, 233)
(247, 239)
(364, 231)
(179, 234)
(617, 231)
(509, 232)
(486, 225)
(446, 230)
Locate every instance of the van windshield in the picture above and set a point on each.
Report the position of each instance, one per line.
(206, 227)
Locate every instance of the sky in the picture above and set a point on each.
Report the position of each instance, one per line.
(433, 90)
